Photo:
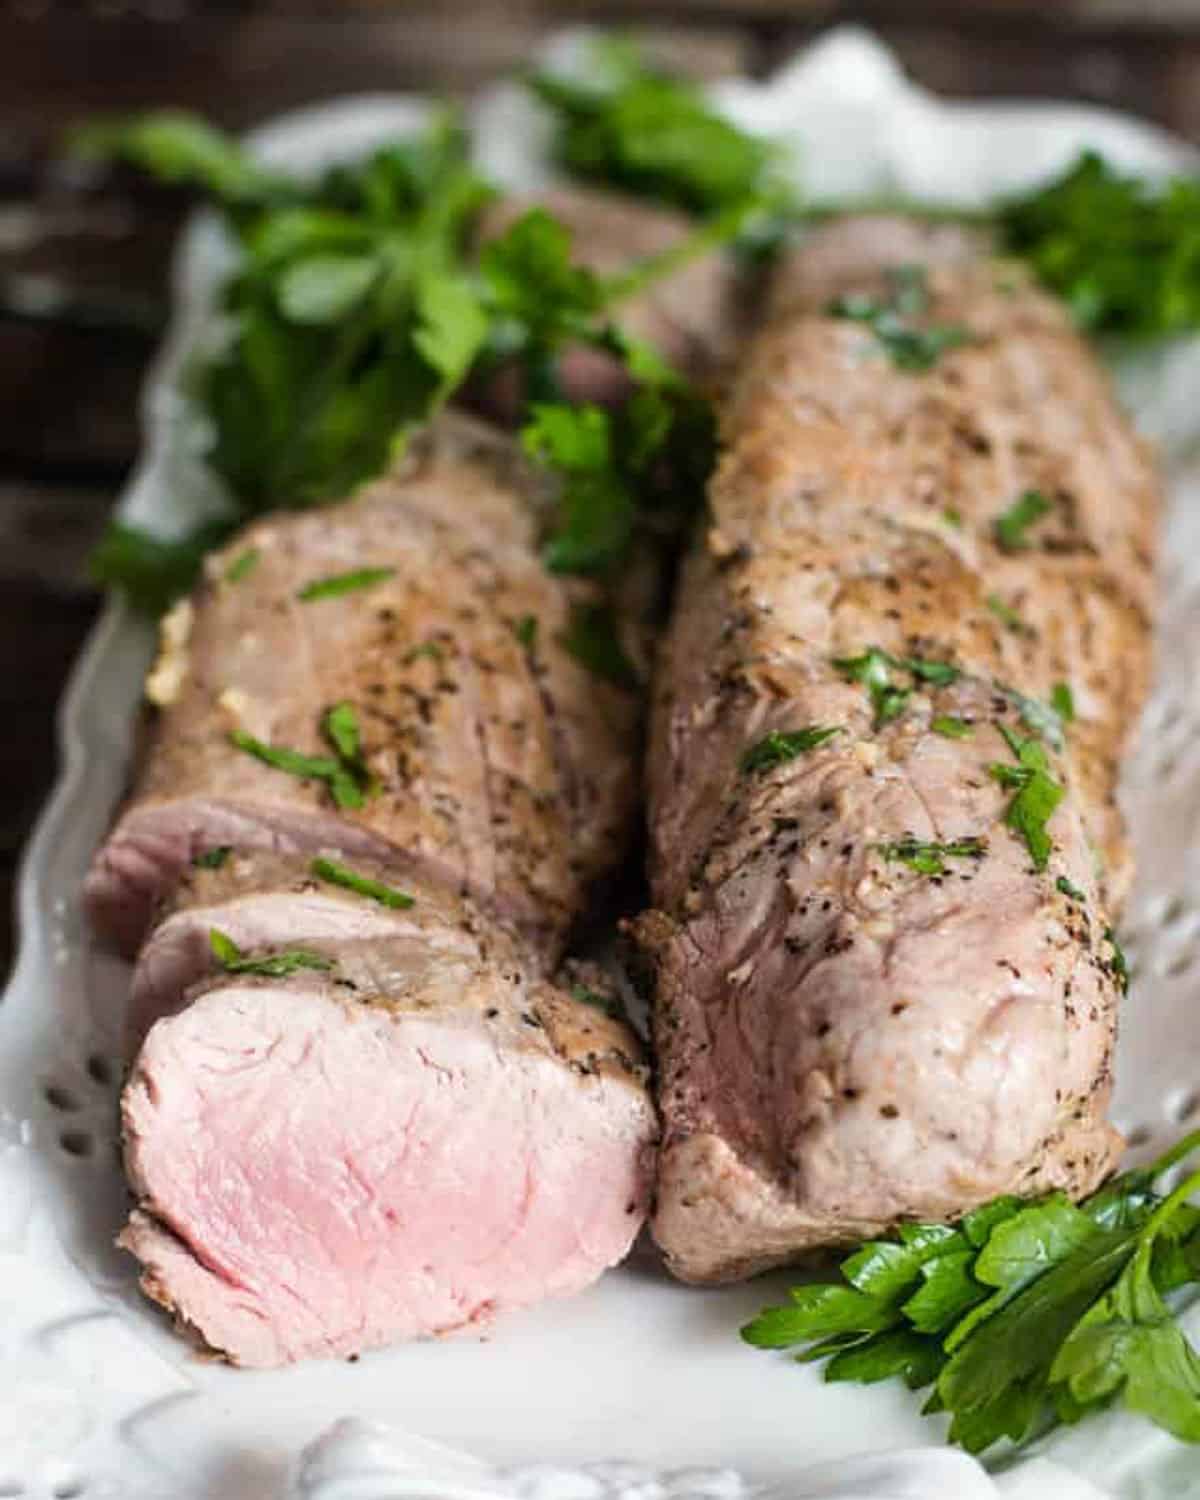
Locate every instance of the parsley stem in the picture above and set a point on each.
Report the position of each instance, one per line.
(1178, 1151)
(720, 230)
(1167, 1207)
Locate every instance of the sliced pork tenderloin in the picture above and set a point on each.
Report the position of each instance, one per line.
(412, 1141)
(876, 1002)
(379, 1120)
(497, 761)
(265, 902)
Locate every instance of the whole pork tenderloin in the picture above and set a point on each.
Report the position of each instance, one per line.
(848, 1037)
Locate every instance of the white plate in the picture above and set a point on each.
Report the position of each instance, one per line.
(98, 1398)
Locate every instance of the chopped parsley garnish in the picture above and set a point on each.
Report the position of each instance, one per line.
(874, 668)
(930, 858)
(951, 727)
(782, 745)
(1062, 701)
(1025, 1314)
(1120, 965)
(273, 966)
(336, 874)
(242, 566)
(343, 583)
(1037, 795)
(1067, 889)
(591, 638)
(910, 347)
(952, 516)
(212, 859)
(349, 781)
(430, 649)
(526, 630)
(1011, 525)
(1008, 616)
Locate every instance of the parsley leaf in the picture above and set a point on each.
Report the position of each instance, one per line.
(782, 745)
(633, 127)
(273, 966)
(1011, 525)
(181, 148)
(592, 639)
(243, 565)
(1062, 701)
(152, 572)
(1025, 1314)
(1063, 885)
(337, 874)
(343, 583)
(930, 858)
(596, 503)
(212, 859)
(874, 668)
(1037, 796)
(349, 781)
(1120, 250)
(1119, 964)
(952, 728)
(526, 631)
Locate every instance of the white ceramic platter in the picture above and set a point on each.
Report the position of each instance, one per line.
(99, 1399)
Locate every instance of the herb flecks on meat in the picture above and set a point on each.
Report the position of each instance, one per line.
(1037, 794)
(893, 320)
(929, 858)
(783, 745)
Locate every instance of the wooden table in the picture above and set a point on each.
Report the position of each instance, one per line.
(82, 271)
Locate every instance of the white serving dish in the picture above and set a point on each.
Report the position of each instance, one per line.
(640, 1388)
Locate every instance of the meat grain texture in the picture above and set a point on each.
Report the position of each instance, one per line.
(844, 1041)
(411, 1128)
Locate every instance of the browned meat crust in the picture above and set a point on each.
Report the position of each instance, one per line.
(845, 1041)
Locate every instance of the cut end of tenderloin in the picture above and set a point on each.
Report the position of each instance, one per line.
(319, 1174)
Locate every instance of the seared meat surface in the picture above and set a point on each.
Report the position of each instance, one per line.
(501, 764)
(850, 1036)
(380, 1118)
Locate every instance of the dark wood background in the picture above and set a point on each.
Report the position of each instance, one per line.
(82, 270)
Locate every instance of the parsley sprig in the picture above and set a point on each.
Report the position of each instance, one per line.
(356, 309)
(1025, 1314)
(1120, 250)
